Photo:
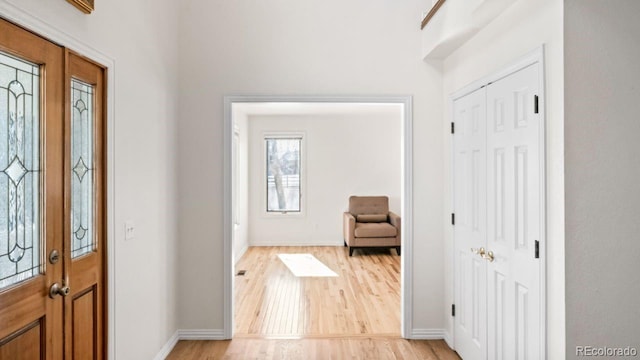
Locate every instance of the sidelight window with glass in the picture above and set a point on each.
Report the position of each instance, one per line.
(82, 177)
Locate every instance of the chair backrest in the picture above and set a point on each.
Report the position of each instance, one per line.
(361, 205)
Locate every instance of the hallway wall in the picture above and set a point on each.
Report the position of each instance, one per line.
(333, 47)
(602, 171)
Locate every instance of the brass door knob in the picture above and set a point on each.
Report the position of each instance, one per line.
(57, 289)
(478, 251)
(488, 256)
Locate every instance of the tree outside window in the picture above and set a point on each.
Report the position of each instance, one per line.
(283, 174)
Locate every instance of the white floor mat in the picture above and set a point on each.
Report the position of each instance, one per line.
(306, 265)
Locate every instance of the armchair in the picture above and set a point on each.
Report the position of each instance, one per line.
(370, 224)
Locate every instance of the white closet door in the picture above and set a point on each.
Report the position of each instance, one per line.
(470, 225)
(514, 200)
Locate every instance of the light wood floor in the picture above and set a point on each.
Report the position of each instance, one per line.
(308, 349)
(353, 316)
(363, 299)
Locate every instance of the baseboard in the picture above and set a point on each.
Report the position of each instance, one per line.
(166, 349)
(240, 253)
(295, 243)
(448, 339)
(188, 334)
(218, 334)
(428, 334)
(201, 334)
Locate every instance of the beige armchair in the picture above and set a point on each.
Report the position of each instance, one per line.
(370, 224)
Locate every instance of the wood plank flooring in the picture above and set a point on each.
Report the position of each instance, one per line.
(353, 316)
(307, 349)
(363, 299)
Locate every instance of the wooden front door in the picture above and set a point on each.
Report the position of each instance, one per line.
(52, 198)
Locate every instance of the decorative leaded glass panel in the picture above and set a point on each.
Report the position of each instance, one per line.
(82, 194)
(20, 247)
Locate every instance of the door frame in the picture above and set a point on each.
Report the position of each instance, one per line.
(406, 293)
(534, 57)
(48, 31)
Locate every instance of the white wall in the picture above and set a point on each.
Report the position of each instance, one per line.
(241, 205)
(343, 155)
(520, 29)
(140, 37)
(332, 47)
(602, 171)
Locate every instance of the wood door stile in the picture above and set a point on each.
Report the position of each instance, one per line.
(28, 317)
(85, 306)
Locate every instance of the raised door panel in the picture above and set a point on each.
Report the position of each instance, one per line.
(25, 344)
(514, 204)
(470, 229)
(84, 319)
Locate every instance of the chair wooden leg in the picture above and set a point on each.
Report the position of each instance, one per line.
(398, 250)
(351, 251)
(345, 243)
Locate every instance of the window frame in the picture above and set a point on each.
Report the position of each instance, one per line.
(264, 178)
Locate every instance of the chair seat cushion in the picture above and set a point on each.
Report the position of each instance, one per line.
(375, 230)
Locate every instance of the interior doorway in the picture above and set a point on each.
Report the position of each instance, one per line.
(404, 106)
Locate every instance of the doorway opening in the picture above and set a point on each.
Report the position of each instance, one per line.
(292, 105)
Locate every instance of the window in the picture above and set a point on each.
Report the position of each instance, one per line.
(283, 160)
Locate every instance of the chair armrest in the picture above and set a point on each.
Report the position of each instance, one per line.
(394, 219)
(349, 227)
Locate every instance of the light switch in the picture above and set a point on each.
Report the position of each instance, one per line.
(129, 230)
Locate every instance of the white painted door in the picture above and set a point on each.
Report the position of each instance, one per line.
(514, 216)
(498, 199)
(470, 225)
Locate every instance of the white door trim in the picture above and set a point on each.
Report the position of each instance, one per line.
(12, 12)
(535, 57)
(407, 194)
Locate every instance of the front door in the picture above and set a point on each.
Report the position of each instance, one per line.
(52, 235)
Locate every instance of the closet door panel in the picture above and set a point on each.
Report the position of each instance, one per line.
(513, 216)
(470, 229)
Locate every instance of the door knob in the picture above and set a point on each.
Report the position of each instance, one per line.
(57, 289)
(488, 256)
(478, 251)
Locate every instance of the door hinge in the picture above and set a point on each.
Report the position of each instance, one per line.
(535, 104)
(453, 219)
(537, 249)
(453, 309)
(453, 128)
